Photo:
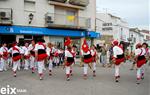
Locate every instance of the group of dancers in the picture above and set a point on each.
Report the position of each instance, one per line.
(36, 55)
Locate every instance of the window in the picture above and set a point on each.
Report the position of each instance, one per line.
(107, 28)
(65, 16)
(29, 6)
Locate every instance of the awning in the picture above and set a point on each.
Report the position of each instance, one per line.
(26, 30)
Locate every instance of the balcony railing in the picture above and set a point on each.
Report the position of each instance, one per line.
(6, 16)
(66, 21)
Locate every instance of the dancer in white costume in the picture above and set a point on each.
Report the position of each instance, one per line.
(4, 57)
(26, 56)
(40, 55)
(31, 48)
(16, 56)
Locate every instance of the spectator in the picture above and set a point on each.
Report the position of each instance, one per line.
(103, 55)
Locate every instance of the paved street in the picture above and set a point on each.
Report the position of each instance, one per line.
(103, 84)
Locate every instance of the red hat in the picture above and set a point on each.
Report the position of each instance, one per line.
(115, 42)
(68, 41)
(85, 47)
(138, 45)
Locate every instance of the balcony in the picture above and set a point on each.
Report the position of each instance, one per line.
(78, 4)
(54, 20)
(83, 3)
(6, 16)
(62, 1)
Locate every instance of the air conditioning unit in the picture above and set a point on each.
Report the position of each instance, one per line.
(49, 19)
(5, 15)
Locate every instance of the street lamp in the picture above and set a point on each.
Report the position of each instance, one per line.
(30, 18)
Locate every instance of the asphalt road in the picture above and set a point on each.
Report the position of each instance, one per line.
(102, 84)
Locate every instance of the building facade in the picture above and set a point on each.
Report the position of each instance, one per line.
(146, 34)
(52, 20)
(135, 37)
(112, 27)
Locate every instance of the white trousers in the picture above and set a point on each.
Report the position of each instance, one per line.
(10, 61)
(140, 72)
(68, 68)
(85, 69)
(3, 64)
(94, 66)
(16, 65)
(50, 67)
(40, 66)
(26, 64)
(56, 60)
(117, 67)
(32, 62)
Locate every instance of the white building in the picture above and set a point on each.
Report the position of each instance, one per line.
(112, 27)
(51, 19)
(146, 34)
(135, 37)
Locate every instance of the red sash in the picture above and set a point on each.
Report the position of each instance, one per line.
(56, 54)
(18, 57)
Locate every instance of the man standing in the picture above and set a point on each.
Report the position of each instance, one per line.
(40, 55)
(118, 58)
(103, 55)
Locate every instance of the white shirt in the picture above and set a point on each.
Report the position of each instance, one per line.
(117, 51)
(68, 54)
(25, 50)
(31, 47)
(93, 52)
(3, 49)
(37, 47)
(50, 50)
(14, 51)
(140, 51)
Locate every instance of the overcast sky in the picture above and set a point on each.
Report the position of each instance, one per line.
(135, 12)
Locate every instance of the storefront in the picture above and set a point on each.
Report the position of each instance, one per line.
(57, 36)
(27, 33)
